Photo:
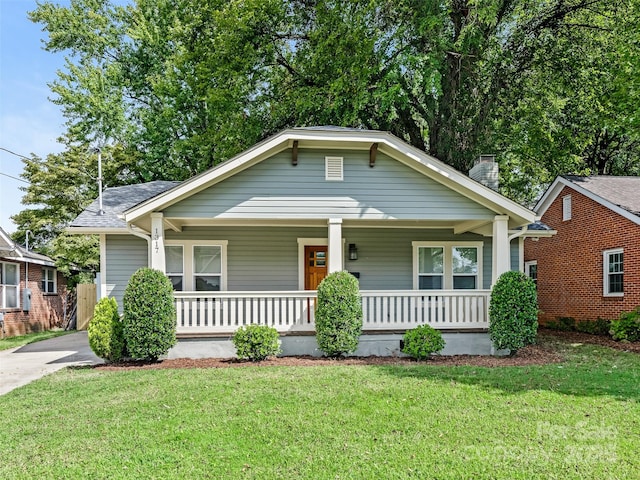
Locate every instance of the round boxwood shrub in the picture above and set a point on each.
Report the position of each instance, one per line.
(627, 326)
(513, 312)
(339, 314)
(421, 342)
(106, 335)
(256, 342)
(149, 315)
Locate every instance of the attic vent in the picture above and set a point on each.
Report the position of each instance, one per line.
(333, 168)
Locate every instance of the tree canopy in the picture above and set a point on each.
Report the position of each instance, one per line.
(177, 86)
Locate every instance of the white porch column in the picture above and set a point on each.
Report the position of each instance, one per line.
(335, 245)
(157, 242)
(501, 251)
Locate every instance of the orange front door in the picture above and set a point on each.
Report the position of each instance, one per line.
(315, 266)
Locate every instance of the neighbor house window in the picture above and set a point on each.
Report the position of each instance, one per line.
(566, 207)
(48, 284)
(447, 265)
(613, 272)
(531, 270)
(196, 265)
(9, 282)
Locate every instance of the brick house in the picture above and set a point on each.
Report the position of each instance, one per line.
(19, 270)
(591, 268)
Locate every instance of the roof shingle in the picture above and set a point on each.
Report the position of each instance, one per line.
(621, 191)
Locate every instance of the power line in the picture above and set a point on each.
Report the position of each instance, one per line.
(14, 153)
(15, 178)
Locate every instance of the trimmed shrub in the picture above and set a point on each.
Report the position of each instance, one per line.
(256, 342)
(513, 312)
(106, 335)
(594, 327)
(149, 315)
(627, 327)
(421, 342)
(339, 314)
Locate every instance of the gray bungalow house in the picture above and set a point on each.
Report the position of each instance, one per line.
(249, 240)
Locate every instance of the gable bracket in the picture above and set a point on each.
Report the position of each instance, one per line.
(373, 151)
(294, 153)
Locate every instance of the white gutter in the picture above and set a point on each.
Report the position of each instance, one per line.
(142, 235)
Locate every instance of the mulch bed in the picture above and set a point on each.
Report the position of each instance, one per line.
(540, 354)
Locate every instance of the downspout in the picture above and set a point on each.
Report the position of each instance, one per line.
(131, 230)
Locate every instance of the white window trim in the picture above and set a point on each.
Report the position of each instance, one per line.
(3, 296)
(187, 259)
(54, 272)
(527, 267)
(448, 264)
(605, 273)
(330, 166)
(566, 208)
(174, 274)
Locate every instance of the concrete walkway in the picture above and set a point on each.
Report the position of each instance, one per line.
(22, 365)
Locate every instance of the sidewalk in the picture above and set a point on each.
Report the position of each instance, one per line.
(22, 365)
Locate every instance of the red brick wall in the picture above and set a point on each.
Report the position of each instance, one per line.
(570, 264)
(46, 309)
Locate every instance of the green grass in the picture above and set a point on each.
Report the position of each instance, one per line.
(579, 419)
(13, 342)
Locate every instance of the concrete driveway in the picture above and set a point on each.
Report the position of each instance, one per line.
(22, 365)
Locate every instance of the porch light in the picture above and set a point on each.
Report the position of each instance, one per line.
(353, 251)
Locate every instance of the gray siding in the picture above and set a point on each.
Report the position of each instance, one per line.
(276, 189)
(267, 258)
(125, 255)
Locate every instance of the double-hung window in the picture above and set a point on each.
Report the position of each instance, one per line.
(196, 265)
(9, 283)
(48, 284)
(613, 272)
(447, 265)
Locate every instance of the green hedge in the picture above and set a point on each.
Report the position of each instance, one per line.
(106, 334)
(149, 315)
(256, 342)
(513, 312)
(339, 314)
(421, 342)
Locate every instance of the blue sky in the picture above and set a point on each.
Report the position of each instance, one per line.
(29, 121)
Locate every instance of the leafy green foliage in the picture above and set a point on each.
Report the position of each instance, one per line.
(423, 341)
(106, 335)
(256, 342)
(599, 326)
(563, 324)
(338, 314)
(149, 315)
(513, 312)
(627, 326)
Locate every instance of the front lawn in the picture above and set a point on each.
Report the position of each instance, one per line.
(577, 419)
(13, 342)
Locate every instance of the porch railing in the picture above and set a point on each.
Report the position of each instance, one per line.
(224, 312)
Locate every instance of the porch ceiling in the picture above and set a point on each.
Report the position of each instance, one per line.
(458, 226)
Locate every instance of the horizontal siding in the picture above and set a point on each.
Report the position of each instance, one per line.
(276, 189)
(125, 255)
(266, 258)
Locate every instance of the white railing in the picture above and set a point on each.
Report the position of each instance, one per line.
(224, 312)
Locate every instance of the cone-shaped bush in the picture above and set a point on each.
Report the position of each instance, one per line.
(106, 336)
(339, 314)
(513, 312)
(149, 315)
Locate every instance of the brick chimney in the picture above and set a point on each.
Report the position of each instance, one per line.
(485, 171)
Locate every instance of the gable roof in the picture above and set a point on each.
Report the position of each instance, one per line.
(115, 201)
(620, 194)
(344, 138)
(10, 250)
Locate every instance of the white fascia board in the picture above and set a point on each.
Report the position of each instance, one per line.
(559, 183)
(96, 230)
(459, 182)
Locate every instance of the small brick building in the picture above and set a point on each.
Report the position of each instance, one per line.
(591, 268)
(20, 269)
